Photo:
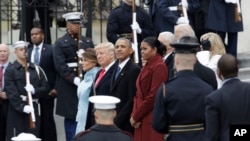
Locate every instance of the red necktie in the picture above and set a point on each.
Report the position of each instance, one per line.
(101, 74)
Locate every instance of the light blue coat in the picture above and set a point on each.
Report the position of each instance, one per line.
(83, 91)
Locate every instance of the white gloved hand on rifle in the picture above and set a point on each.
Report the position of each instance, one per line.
(77, 81)
(29, 88)
(28, 109)
(231, 1)
(136, 26)
(80, 52)
(182, 20)
(23, 97)
(184, 3)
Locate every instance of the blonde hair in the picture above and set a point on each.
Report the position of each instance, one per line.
(217, 45)
(110, 46)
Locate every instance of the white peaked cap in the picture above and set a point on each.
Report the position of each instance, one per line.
(25, 137)
(104, 102)
(20, 44)
(72, 16)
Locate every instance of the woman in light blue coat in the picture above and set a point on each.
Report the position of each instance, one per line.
(90, 66)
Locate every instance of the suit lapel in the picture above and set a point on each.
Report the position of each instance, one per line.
(43, 54)
(120, 76)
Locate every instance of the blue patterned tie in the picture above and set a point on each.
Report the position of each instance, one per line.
(36, 56)
(117, 72)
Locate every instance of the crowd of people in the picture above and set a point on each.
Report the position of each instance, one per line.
(182, 89)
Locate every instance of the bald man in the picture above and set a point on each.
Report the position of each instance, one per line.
(4, 62)
(205, 73)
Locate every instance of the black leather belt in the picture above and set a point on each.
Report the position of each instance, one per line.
(186, 127)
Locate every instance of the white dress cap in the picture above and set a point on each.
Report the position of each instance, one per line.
(104, 102)
(72, 16)
(25, 137)
(20, 44)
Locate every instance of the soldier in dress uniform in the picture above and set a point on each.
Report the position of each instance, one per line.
(66, 64)
(225, 20)
(104, 129)
(179, 108)
(167, 13)
(120, 23)
(16, 88)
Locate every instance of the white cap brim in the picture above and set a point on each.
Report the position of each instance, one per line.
(104, 102)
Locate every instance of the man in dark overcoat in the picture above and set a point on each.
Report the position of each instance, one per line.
(66, 64)
(229, 105)
(123, 83)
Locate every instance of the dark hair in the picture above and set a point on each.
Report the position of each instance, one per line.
(228, 66)
(154, 42)
(91, 55)
(37, 27)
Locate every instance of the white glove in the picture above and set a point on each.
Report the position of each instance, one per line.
(136, 26)
(30, 89)
(24, 98)
(77, 81)
(28, 109)
(184, 3)
(182, 20)
(231, 1)
(80, 52)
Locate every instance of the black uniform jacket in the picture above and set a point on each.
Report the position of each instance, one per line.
(64, 53)
(183, 104)
(120, 19)
(100, 132)
(221, 17)
(15, 82)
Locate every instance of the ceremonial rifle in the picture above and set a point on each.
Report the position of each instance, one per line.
(184, 11)
(134, 40)
(237, 12)
(80, 50)
(32, 118)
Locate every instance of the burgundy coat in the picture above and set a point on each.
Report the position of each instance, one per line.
(150, 78)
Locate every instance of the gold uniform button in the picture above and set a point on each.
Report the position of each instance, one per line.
(75, 57)
(74, 69)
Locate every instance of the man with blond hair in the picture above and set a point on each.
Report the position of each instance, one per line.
(105, 53)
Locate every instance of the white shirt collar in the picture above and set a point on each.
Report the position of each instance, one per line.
(121, 65)
(107, 67)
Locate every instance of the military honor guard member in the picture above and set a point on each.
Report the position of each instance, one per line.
(179, 108)
(17, 88)
(66, 64)
(225, 19)
(104, 129)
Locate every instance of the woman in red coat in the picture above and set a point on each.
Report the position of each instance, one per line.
(150, 78)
